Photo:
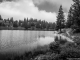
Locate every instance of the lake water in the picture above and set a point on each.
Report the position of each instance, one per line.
(20, 40)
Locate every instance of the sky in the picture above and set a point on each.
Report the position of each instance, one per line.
(39, 9)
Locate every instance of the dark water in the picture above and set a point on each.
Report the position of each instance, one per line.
(18, 40)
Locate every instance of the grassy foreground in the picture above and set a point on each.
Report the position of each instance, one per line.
(58, 50)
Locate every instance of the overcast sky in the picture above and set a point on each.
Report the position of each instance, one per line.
(40, 9)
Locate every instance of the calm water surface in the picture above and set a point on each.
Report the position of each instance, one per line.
(19, 39)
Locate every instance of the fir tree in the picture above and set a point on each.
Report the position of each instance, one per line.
(70, 18)
(76, 13)
(60, 19)
(1, 17)
(74, 19)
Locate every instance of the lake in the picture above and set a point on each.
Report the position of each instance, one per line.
(22, 40)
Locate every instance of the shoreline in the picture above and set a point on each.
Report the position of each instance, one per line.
(28, 29)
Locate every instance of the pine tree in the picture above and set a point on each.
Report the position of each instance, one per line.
(1, 23)
(76, 14)
(11, 19)
(60, 19)
(1, 17)
(70, 18)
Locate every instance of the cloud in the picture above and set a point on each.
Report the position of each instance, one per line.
(48, 7)
(10, 9)
(25, 8)
(20, 9)
(8, 0)
(53, 5)
(1, 0)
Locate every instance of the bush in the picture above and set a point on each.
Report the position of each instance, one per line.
(54, 47)
(76, 29)
(77, 40)
(70, 53)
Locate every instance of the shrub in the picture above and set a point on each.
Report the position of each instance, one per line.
(70, 53)
(54, 47)
(77, 40)
(76, 29)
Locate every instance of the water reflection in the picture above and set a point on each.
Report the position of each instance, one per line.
(17, 39)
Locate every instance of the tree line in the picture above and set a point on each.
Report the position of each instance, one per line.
(31, 23)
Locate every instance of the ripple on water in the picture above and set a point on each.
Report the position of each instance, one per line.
(26, 47)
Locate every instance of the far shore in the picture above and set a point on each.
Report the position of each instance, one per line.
(22, 28)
